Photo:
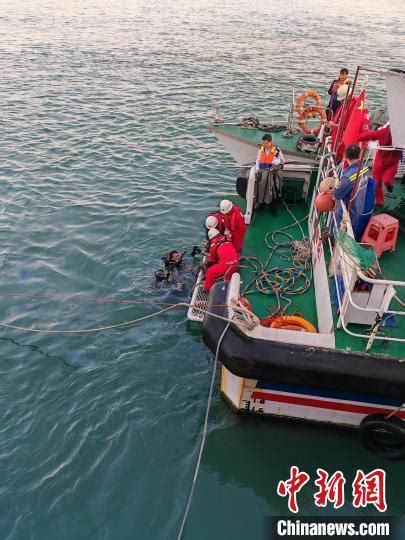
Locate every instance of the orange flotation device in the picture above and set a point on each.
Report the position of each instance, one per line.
(305, 95)
(324, 201)
(290, 322)
(311, 112)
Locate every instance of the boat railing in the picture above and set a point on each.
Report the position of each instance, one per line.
(291, 170)
(371, 306)
(250, 195)
(199, 299)
(276, 117)
(364, 296)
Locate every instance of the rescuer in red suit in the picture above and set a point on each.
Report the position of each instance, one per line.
(233, 223)
(385, 165)
(223, 259)
(214, 221)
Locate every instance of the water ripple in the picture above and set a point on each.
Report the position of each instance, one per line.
(106, 165)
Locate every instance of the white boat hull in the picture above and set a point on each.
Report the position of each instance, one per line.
(245, 152)
(265, 397)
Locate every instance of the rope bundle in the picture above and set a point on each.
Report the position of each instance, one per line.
(281, 282)
(244, 316)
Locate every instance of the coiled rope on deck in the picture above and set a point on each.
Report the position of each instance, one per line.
(279, 281)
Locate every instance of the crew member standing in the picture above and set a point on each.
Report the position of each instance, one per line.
(334, 103)
(386, 162)
(349, 191)
(269, 173)
(234, 226)
(223, 259)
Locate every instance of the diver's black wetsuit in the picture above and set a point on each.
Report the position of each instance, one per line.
(175, 276)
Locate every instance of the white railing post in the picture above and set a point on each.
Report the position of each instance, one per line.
(250, 195)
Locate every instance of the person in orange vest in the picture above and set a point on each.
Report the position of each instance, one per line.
(269, 173)
(233, 222)
(223, 259)
(386, 162)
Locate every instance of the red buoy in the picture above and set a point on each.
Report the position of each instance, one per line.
(324, 201)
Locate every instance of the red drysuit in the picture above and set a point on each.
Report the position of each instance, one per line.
(235, 222)
(385, 162)
(224, 260)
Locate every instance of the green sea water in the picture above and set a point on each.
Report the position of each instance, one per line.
(105, 165)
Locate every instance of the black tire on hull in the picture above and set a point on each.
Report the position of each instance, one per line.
(383, 436)
(241, 186)
(309, 139)
(308, 143)
(339, 370)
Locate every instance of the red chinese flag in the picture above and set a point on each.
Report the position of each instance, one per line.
(352, 132)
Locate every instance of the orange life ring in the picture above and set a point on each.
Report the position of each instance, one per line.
(305, 95)
(284, 321)
(310, 112)
(294, 327)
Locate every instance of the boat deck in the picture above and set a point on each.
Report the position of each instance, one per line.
(254, 136)
(264, 222)
(392, 265)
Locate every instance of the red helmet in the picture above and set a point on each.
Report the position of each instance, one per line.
(324, 201)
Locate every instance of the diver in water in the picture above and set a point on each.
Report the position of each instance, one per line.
(178, 272)
(172, 262)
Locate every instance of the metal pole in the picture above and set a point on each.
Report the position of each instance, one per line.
(355, 78)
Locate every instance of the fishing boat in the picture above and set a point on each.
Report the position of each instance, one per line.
(312, 325)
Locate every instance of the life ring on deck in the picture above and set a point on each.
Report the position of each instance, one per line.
(311, 112)
(383, 436)
(305, 95)
(285, 322)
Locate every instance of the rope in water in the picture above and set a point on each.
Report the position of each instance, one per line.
(89, 330)
(112, 326)
(241, 315)
(268, 282)
(238, 310)
(204, 436)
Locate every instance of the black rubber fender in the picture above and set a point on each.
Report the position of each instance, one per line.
(340, 370)
(383, 436)
(241, 186)
(308, 139)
